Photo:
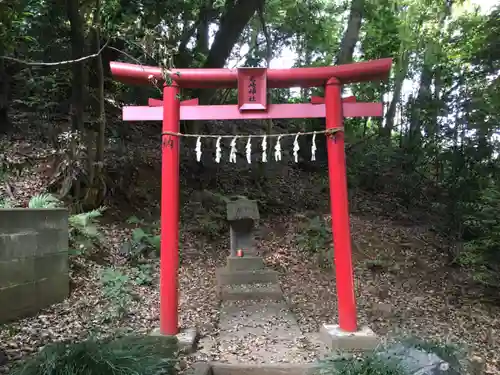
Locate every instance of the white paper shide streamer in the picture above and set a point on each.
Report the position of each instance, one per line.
(248, 150)
(264, 149)
(313, 147)
(277, 149)
(198, 149)
(296, 148)
(218, 151)
(232, 151)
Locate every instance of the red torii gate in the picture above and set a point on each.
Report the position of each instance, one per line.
(252, 84)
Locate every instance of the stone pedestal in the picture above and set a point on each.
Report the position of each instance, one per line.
(336, 339)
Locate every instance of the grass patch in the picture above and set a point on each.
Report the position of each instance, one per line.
(129, 355)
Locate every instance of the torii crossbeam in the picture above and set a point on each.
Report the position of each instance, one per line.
(252, 84)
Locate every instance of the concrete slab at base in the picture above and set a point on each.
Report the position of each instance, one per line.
(337, 339)
(228, 277)
(217, 368)
(186, 339)
(251, 293)
(244, 263)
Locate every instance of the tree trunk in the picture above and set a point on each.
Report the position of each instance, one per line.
(78, 80)
(77, 51)
(202, 31)
(351, 35)
(399, 78)
(232, 23)
(422, 100)
(5, 124)
(96, 189)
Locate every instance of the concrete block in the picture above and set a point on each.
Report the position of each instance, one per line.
(16, 219)
(251, 293)
(261, 369)
(186, 339)
(17, 301)
(336, 339)
(244, 263)
(228, 277)
(51, 241)
(51, 290)
(51, 265)
(200, 368)
(17, 271)
(17, 245)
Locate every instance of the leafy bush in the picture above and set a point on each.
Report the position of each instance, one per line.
(83, 231)
(482, 238)
(367, 365)
(117, 291)
(387, 360)
(211, 223)
(315, 238)
(145, 240)
(143, 275)
(134, 355)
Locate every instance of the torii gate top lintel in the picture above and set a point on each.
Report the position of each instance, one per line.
(276, 78)
(252, 84)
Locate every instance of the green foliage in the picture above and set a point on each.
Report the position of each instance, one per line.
(84, 233)
(5, 203)
(144, 275)
(129, 355)
(452, 353)
(211, 223)
(369, 364)
(315, 239)
(144, 241)
(44, 201)
(117, 291)
(376, 363)
(482, 227)
(210, 214)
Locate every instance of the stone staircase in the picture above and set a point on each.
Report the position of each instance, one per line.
(245, 278)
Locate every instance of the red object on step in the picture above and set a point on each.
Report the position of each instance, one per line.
(171, 110)
(239, 253)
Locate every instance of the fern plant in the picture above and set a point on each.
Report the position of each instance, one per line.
(83, 230)
(144, 241)
(44, 201)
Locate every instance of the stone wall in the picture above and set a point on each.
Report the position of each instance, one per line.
(33, 260)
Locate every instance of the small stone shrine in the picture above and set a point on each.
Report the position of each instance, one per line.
(242, 214)
(245, 269)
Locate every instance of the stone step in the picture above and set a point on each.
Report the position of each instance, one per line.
(226, 276)
(244, 263)
(250, 292)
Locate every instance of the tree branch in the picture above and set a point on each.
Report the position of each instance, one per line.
(57, 63)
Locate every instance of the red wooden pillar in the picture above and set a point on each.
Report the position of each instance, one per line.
(169, 254)
(339, 208)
